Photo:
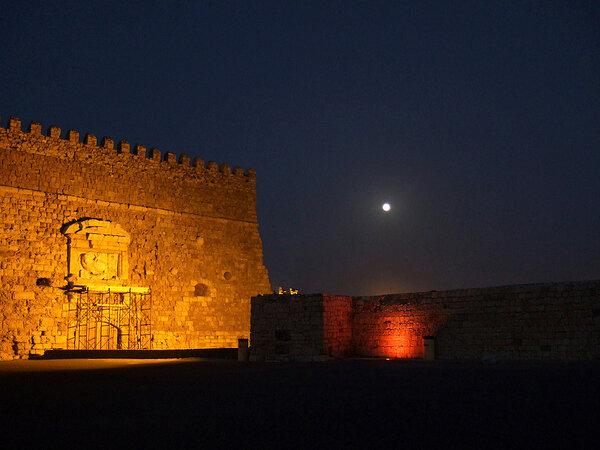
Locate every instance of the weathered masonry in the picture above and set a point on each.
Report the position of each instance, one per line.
(122, 248)
(557, 321)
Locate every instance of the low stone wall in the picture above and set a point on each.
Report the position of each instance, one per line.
(337, 325)
(537, 321)
(300, 327)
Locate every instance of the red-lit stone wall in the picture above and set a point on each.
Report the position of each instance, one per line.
(384, 329)
(536, 321)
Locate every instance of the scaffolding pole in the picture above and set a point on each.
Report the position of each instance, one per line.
(109, 320)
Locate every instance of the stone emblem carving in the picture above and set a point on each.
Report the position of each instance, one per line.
(101, 265)
(97, 252)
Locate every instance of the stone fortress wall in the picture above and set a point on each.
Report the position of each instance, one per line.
(559, 321)
(78, 216)
(300, 327)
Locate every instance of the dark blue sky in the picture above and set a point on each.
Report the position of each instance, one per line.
(478, 121)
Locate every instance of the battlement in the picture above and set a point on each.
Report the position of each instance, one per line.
(102, 169)
(154, 155)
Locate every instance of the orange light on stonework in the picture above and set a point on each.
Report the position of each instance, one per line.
(395, 338)
(394, 347)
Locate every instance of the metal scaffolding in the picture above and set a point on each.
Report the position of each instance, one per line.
(109, 320)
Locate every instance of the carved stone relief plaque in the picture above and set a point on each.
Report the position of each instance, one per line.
(97, 252)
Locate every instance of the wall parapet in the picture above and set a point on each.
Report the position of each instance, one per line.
(35, 130)
(529, 288)
(106, 170)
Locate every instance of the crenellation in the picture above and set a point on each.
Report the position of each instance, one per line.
(14, 124)
(73, 136)
(90, 139)
(154, 154)
(184, 160)
(139, 150)
(170, 158)
(35, 128)
(225, 169)
(54, 132)
(108, 143)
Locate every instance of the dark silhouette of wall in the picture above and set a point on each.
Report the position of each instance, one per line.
(535, 321)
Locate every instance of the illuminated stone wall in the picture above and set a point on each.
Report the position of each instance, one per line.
(187, 232)
(537, 321)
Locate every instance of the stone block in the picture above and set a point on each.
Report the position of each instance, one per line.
(14, 124)
(170, 158)
(123, 147)
(108, 143)
(90, 139)
(54, 132)
(73, 136)
(35, 128)
(154, 154)
(24, 295)
(139, 150)
(184, 160)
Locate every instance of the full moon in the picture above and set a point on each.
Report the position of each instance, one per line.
(386, 207)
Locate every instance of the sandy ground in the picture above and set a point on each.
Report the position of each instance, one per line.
(336, 404)
(23, 366)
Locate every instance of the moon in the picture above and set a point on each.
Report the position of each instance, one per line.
(386, 207)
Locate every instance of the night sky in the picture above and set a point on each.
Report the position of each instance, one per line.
(478, 121)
